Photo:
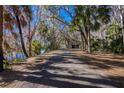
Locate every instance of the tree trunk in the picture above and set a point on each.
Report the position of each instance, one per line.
(122, 25)
(88, 39)
(123, 33)
(1, 38)
(21, 36)
(88, 42)
(30, 47)
(29, 38)
(83, 43)
(84, 38)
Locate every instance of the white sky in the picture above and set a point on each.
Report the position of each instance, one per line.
(62, 2)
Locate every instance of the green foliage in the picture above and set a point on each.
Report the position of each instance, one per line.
(112, 43)
(91, 16)
(108, 45)
(97, 44)
(114, 35)
(117, 45)
(17, 60)
(36, 46)
(113, 29)
(7, 65)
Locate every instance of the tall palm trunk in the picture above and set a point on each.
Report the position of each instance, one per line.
(21, 36)
(1, 38)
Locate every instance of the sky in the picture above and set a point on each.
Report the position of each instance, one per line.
(65, 15)
(62, 13)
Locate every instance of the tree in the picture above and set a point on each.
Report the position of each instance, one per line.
(17, 13)
(84, 19)
(90, 18)
(1, 38)
(118, 17)
(14, 19)
(28, 14)
(33, 20)
(122, 24)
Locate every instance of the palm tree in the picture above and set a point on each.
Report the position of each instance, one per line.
(1, 38)
(89, 18)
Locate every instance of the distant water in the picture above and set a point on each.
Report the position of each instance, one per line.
(20, 55)
(12, 56)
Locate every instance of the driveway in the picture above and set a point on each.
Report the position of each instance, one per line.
(67, 69)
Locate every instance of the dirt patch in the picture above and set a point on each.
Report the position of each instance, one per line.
(114, 62)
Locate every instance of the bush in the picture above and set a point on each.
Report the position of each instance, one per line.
(117, 45)
(108, 45)
(36, 47)
(16, 60)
